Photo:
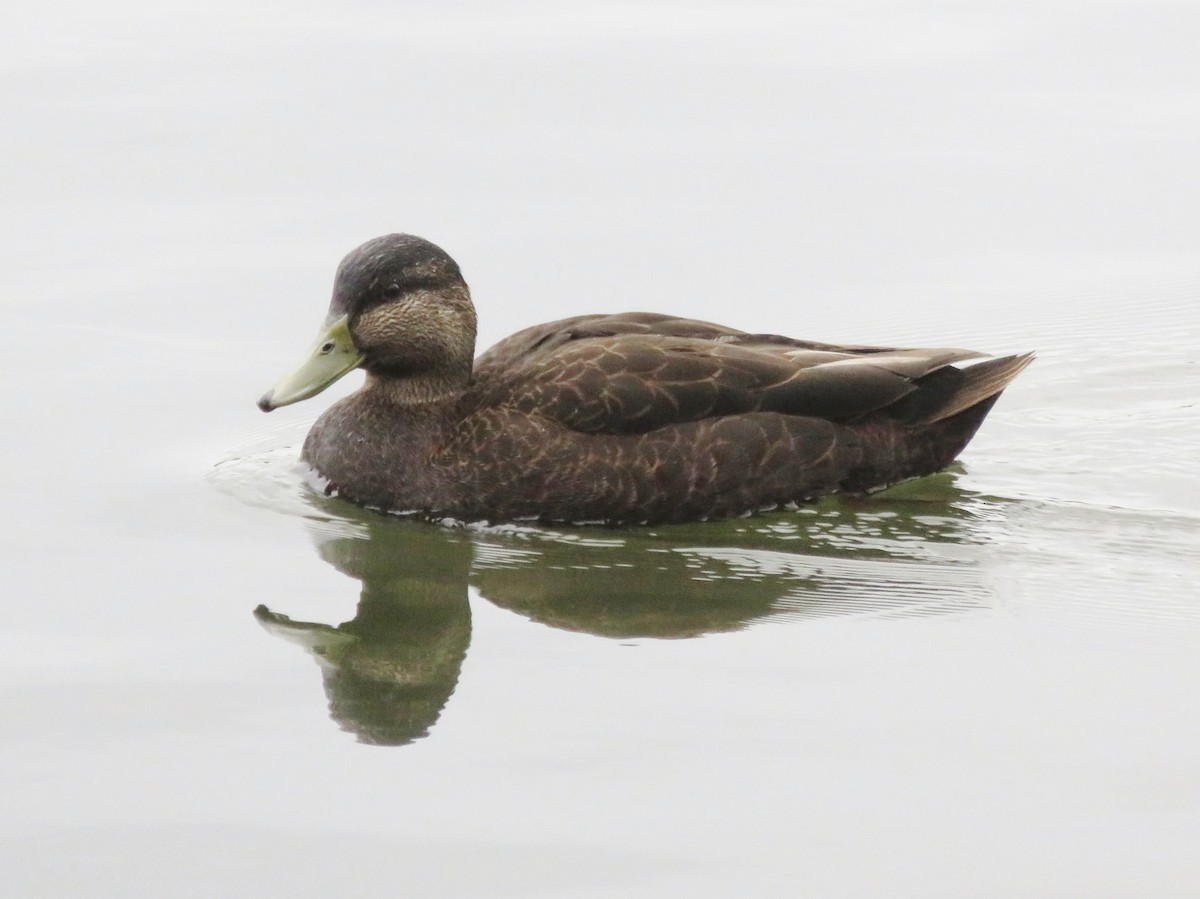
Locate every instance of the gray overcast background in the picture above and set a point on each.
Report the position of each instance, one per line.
(692, 156)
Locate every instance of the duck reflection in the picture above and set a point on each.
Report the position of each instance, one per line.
(389, 671)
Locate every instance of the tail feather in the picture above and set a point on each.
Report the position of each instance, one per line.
(980, 381)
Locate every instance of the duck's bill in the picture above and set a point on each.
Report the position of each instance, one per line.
(333, 354)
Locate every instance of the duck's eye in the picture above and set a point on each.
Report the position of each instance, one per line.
(327, 347)
(392, 291)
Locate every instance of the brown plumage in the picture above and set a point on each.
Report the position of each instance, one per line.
(626, 418)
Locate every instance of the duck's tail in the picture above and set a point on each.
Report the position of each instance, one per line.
(947, 427)
(932, 425)
(976, 383)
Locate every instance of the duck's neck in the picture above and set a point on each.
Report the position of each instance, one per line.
(417, 390)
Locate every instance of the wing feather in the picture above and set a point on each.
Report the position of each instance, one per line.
(637, 372)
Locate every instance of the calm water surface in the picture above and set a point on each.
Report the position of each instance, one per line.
(217, 681)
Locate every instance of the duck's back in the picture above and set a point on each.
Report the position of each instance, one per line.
(642, 417)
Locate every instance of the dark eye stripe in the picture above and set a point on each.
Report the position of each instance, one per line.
(378, 297)
(412, 285)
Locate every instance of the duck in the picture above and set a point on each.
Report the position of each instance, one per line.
(625, 418)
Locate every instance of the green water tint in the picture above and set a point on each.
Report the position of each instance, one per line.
(390, 670)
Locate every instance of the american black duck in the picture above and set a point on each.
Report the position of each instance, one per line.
(626, 418)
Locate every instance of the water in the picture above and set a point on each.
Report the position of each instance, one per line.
(218, 682)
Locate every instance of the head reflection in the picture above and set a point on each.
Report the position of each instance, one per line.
(389, 671)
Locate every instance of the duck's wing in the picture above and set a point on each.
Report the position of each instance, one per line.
(637, 372)
(549, 336)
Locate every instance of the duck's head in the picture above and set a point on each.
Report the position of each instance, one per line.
(400, 310)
